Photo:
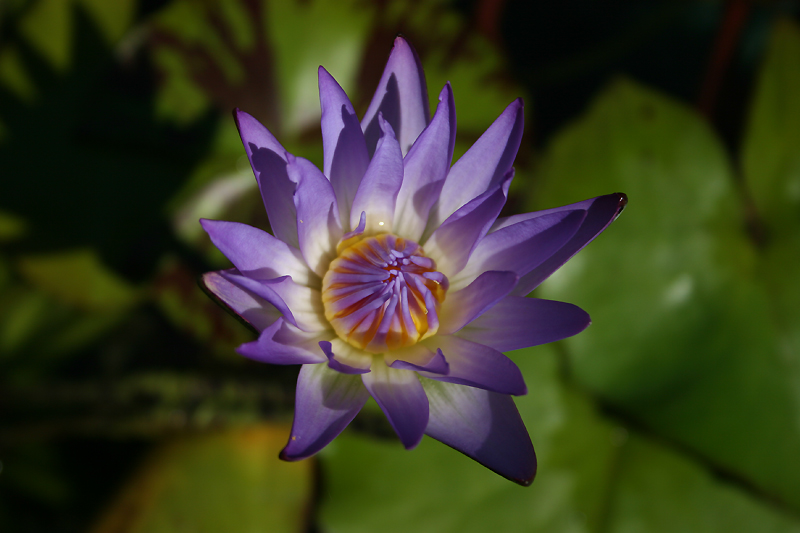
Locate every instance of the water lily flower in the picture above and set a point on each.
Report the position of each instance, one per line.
(388, 273)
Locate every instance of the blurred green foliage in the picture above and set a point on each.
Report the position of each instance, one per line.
(678, 410)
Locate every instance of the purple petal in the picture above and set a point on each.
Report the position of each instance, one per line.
(451, 244)
(268, 159)
(485, 164)
(263, 289)
(284, 344)
(601, 212)
(325, 402)
(377, 192)
(483, 425)
(477, 365)
(520, 247)
(343, 144)
(402, 398)
(301, 306)
(401, 96)
(254, 310)
(462, 307)
(344, 358)
(517, 322)
(425, 169)
(318, 226)
(256, 253)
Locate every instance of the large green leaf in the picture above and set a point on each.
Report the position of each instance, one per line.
(683, 338)
(657, 490)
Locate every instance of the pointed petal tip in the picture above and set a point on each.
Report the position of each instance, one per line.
(622, 198)
(386, 127)
(285, 456)
(400, 40)
(324, 76)
(524, 480)
(235, 112)
(446, 93)
(237, 117)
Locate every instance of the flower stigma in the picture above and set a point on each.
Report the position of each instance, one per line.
(382, 293)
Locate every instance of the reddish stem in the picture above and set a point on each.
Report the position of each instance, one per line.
(736, 12)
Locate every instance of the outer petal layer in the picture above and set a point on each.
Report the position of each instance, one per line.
(402, 98)
(452, 243)
(268, 159)
(477, 365)
(517, 322)
(462, 307)
(483, 166)
(520, 247)
(325, 403)
(318, 225)
(601, 212)
(425, 168)
(343, 144)
(402, 398)
(284, 344)
(483, 425)
(253, 309)
(256, 253)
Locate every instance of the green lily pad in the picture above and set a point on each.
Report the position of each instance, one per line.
(683, 337)
(657, 490)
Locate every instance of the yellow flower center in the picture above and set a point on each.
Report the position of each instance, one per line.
(381, 293)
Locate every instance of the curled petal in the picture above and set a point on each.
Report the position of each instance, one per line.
(284, 344)
(600, 212)
(483, 425)
(254, 310)
(256, 253)
(516, 322)
(268, 159)
(318, 225)
(377, 193)
(325, 403)
(344, 148)
(484, 165)
(345, 358)
(477, 365)
(402, 98)
(425, 169)
(419, 358)
(520, 247)
(462, 307)
(400, 395)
